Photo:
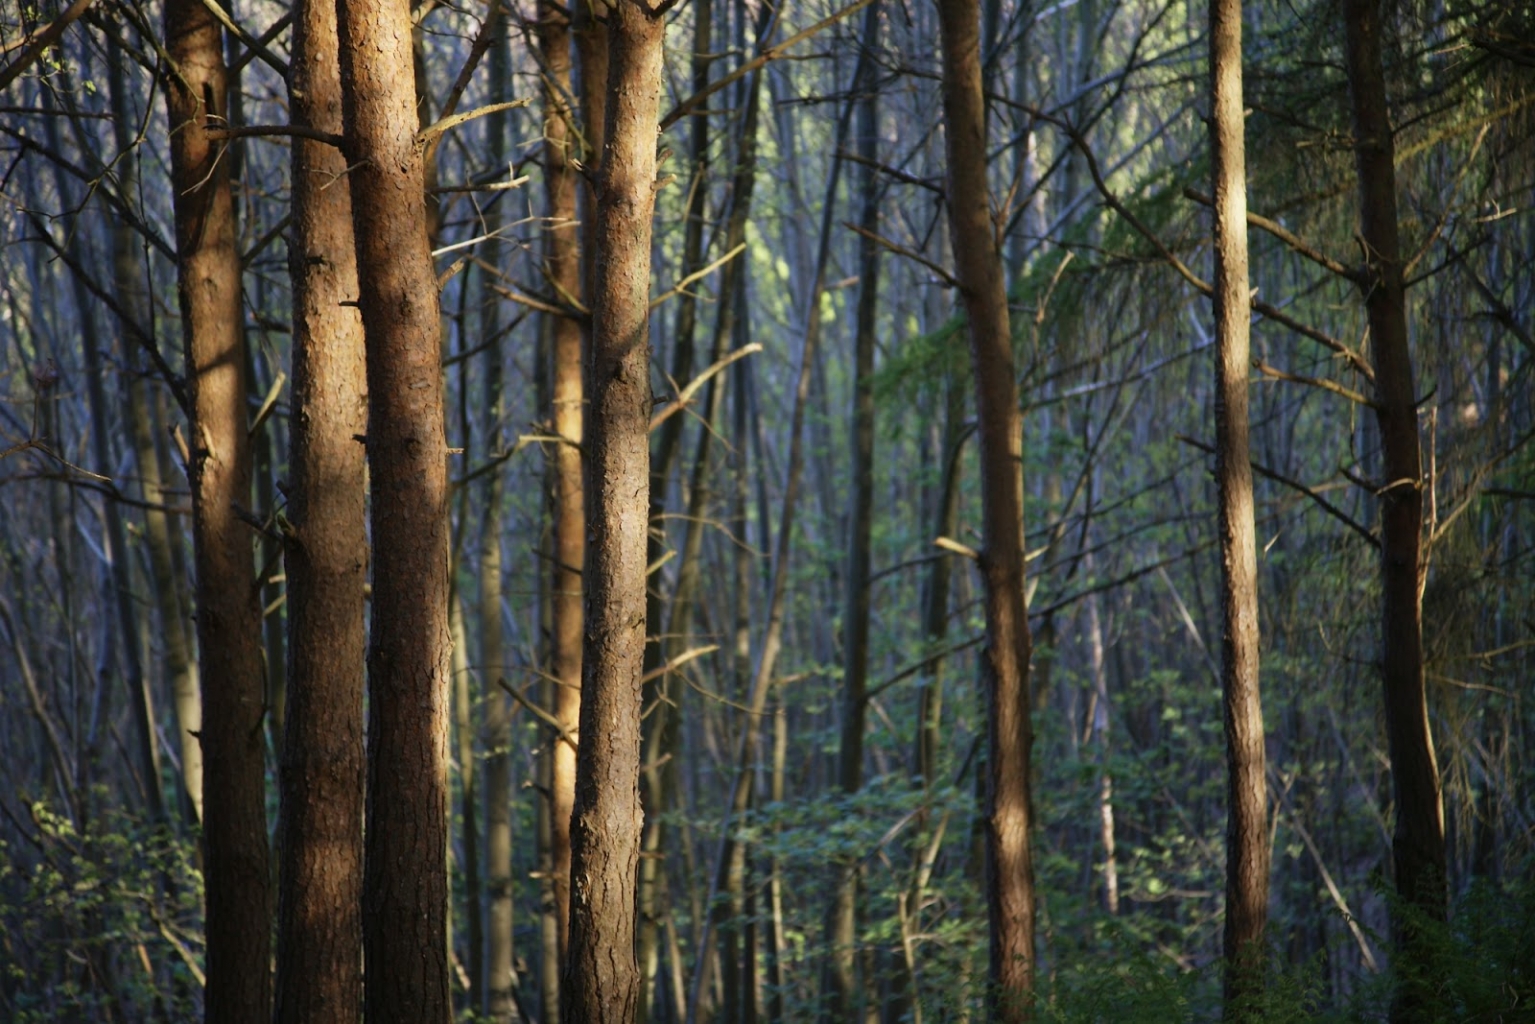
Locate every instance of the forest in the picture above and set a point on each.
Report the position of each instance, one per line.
(733, 511)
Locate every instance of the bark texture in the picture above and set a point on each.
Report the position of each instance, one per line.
(405, 894)
(1418, 843)
(602, 981)
(239, 899)
(319, 930)
(1005, 658)
(1247, 842)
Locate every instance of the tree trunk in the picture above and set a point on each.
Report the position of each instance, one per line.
(1247, 840)
(658, 784)
(319, 928)
(601, 981)
(843, 995)
(500, 958)
(569, 273)
(405, 894)
(239, 899)
(562, 264)
(1418, 843)
(1009, 882)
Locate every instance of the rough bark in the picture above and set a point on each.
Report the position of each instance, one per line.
(239, 899)
(319, 925)
(1247, 843)
(1005, 659)
(601, 981)
(1417, 846)
(405, 895)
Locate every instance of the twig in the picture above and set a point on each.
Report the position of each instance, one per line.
(687, 393)
(44, 39)
(1316, 382)
(251, 43)
(680, 660)
(696, 275)
(901, 250)
(771, 53)
(430, 133)
(539, 713)
(262, 131)
(1279, 478)
(1286, 236)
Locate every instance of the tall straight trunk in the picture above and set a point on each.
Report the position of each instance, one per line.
(405, 895)
(1247, 845)
(319, 923)
(562, 264)
(1418, 843)
(239, 898)
(843, 992)
(590, 32)
(500, 958)
(658, 784)
(1009, 882)
(601, 981)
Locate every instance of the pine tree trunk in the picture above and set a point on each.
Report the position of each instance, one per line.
(602, 982)
(1418, 843)
(319, 930)
(405, 894)
(1247, 837)
(1005, 661)
(239, 898)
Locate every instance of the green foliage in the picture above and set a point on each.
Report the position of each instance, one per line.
(100, 923)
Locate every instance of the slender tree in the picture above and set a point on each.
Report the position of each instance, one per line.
(1247, 843)
(1417, 845)
(842, 914)
(562, 265)
(500, 955)
(319, 934)
(1005, 659)
(589, 29)
(602, 981)
(239, 898)
(405, 895)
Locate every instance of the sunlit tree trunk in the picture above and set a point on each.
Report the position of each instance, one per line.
(589, 29)
(1418, 844)
(1247, 841)
(602, 981)
(319, 934)
(562, 264)
(1005, 661)
(405, 895)
(239, 899)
